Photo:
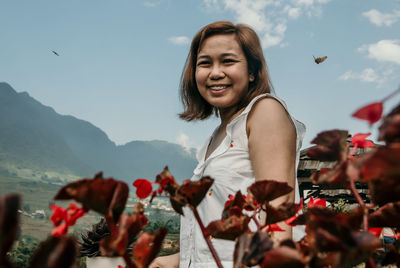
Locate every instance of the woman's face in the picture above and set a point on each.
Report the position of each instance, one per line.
(222, 76)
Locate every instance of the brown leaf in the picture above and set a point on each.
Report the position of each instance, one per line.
(282, 257)
(250, 248)
(282, 212)
(386, 216)
(229, 228)
(384, 190)
(167, 181)
(148, 246)
(389, 131)
(332, 177)
(194, 191)
(9, 225)
(238, 202)
(55, 252)
(384, 162)
(129, 227)
(331, 145)
(267, 190)
(105, 196)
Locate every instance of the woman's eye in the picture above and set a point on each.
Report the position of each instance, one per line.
(228, 61)
(200, 63)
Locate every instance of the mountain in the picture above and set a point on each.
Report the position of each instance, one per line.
(36, 142)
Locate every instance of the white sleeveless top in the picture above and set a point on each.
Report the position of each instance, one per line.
(230, 167)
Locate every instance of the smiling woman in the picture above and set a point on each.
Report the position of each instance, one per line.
(257, 139)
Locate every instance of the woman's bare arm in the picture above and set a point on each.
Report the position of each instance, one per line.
(170, 261)
(272, 148)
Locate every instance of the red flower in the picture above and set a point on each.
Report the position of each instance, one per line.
(69, 215)
(231, 198)
(375, 231)
(164, 182)
(372, 112)
(317, 202)
(143, 188)
(360, 141)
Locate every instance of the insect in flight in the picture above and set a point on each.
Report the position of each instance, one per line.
(319, 60)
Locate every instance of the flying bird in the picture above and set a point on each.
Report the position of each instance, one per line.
(55, 53)
(319, 60)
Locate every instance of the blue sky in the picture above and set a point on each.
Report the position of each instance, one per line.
(120, 61)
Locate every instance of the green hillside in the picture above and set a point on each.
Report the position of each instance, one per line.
(38, 143)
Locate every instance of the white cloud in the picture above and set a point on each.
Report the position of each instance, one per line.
(368, 75)
(184, 141)
(179, 40)
(380, 19)
(346, 76)
(384, 51)
(292, 12)
(151, 4)
(268, 17)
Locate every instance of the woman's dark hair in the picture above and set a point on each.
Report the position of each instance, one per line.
(195, 107)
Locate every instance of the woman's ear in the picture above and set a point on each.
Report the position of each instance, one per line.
(251, 78)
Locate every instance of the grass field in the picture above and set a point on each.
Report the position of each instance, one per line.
(39, 195)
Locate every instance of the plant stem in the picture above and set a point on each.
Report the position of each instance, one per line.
(206, 237)
(128, 261)
(253, 217)
(361, 203)
(371, 263)
(391, 95)
(111, 225)
(114, 233)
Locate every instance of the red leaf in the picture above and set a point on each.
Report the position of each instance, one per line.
(359, 140)
(105, 196)
(274, 228)
(291, 221)
(143, 188)
(267, 190)
(317, 202)
(69, 215)
(331, 146)
(148, 246)
(371, 112)
(376, 231)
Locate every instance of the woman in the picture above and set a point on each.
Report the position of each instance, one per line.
(226, 75)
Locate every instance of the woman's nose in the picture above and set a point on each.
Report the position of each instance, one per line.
(216, 72)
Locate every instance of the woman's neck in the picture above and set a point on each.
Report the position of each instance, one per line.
(227, 115)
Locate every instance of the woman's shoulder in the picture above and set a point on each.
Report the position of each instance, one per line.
(268, 107)
(269, 113)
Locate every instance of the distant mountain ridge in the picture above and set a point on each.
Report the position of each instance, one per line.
(37, 141)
